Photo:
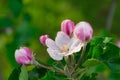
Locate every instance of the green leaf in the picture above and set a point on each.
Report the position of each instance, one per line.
(96, 41)
(59, 77)
(97, 51)
(115, 60)
(111, 57)
(15, 74)
(49, 76)
(110, 51)
(95, 69)
(36, 73)
(79, 73)
(114, 64)
(23, 74)
(91, 77)
(114, 76)
(107, 40)
(91, 62)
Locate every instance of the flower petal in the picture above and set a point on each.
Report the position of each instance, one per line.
(28, 52)
(62, 39)
(20, 52)
(23, 60)
(55, 54)
(75, 46)
(51, 44)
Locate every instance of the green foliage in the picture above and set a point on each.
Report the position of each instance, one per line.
(15, 74)
(19, 74)
(23, 74)
(5, 22)
(16, 6)
(102, 56)
(106, 56)
(49, 76)
(36, 73)
(91, 62)
(97, 51)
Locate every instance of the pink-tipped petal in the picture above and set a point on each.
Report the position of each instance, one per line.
(29, 53)
(83, 31)
(23, 56)
(43, 39)
(67, 26)
(23, 60)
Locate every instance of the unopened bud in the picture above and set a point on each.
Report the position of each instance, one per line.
(67, 26)
(43, 39)
(23, 56)
(83, 31)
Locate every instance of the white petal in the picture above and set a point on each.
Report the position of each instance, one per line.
(20, 52)
(62, 39)
(55, 54)
(73, 39)
(75, 46)
(51, 44)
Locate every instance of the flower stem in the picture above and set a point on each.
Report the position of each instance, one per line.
(41, 65)
(72, 60)
(47, 67)
(80, 59)
(67, 67)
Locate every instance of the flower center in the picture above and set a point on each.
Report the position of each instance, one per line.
(64, 48)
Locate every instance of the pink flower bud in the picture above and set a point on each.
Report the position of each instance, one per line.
(67, 26)
(43, 39)
(24, 56)
(83, 31)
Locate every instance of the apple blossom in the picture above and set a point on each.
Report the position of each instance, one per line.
(62, 46)
(43, 39)
(24, 56)
(83, 31)
(67, 26)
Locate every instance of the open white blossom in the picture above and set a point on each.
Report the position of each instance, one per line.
(63, 46)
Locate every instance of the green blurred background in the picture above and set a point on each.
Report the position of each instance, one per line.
(23, 21)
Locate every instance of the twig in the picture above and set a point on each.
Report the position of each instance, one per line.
(110, 15)
(78, 63)
(47, 67)
(67, 66)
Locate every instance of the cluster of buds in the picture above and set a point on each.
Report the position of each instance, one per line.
(69, 40)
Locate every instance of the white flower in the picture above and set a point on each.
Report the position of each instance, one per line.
(63, 46)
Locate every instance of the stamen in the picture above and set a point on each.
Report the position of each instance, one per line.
(64, 48)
